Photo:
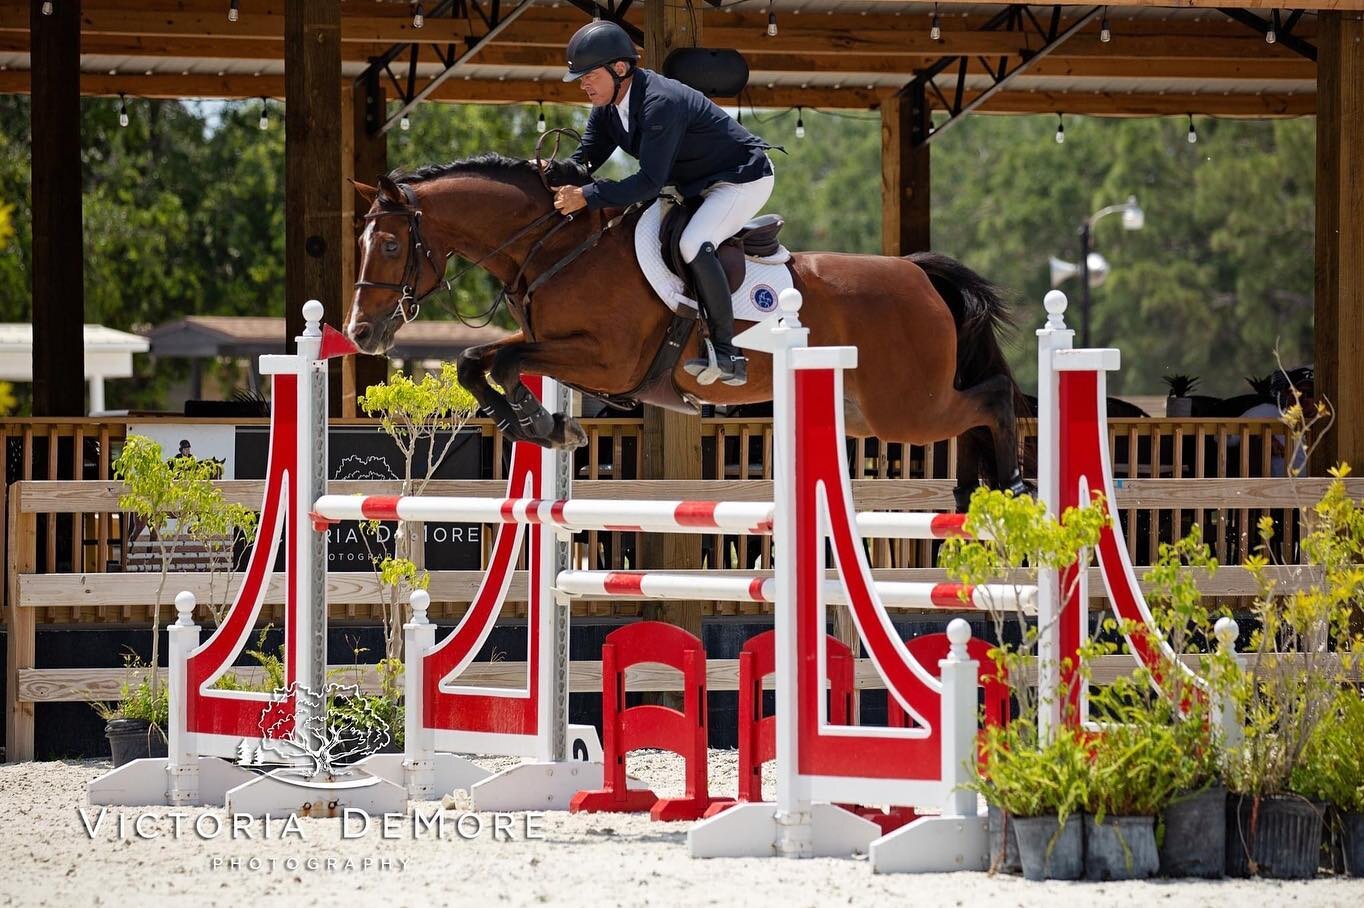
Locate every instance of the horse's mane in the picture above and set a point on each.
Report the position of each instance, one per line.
(497, 166)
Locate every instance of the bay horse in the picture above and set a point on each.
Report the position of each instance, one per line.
(929, 368)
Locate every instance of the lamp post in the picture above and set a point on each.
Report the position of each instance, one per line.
(1133, 218)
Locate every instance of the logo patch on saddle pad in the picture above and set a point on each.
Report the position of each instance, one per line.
(755, 299)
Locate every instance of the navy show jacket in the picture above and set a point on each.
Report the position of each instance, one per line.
(680, 137)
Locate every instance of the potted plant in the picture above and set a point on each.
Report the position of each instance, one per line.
(1179, 401)
(1332, 771)
(1136, 767)
(136, 725)
(1013, 537)
(1289, 686)
(1041, 787)
(1190, 829)
(176, 502)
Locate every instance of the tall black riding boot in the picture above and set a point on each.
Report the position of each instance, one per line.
(723, 361)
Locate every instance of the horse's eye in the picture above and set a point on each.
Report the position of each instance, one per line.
(391, 247)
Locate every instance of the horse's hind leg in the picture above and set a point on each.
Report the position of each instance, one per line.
(975, 459)
(989, 405)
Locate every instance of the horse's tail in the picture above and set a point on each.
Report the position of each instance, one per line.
(981, 311)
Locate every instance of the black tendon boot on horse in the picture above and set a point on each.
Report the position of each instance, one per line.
(724, 361)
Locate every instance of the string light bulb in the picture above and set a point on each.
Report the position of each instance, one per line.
(418, 20)
(935, 28)
(264, 115)
(540, 123)
(404, 124)
(47, 7)
(1060, 130)
(1193, 133)
(800, 124)
(122, 110)
(1105, 33)
(1271, 36)
(771, 21)
(232, 12)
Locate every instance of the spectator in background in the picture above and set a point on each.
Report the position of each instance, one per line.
(1296, 386)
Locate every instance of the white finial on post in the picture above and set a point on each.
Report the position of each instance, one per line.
(958, 634)
(420, 600)
(1055, 303)
(312, 316)
(1226, 630)
(788, 304)
(184, 607)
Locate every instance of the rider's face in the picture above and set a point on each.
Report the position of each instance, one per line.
(598, 85)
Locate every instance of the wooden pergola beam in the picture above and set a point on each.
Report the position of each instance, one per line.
(488, 91)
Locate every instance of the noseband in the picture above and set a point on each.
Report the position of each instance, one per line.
(409, 304)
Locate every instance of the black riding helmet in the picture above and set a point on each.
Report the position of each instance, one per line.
(599, 43)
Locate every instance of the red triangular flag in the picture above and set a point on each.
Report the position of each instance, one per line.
(334, 344)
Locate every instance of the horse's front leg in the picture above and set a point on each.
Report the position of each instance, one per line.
(553, 430)
(473, 365)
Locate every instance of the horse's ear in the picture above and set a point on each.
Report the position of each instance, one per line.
(367, 192)
(390, 191)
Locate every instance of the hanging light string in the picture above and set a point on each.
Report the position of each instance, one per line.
(1193, 133)
(1060, 130)
(935, 27)
(1105, 33)
(47, 7)
(771, 19)
(232, 11)
(418, 19)
(800, 124)
(540, 122)
(122, 110)
(264, 113)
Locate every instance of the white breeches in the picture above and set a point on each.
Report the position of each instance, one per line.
(727, 207)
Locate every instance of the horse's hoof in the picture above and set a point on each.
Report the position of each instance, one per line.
(1021, 488)
(567, 433)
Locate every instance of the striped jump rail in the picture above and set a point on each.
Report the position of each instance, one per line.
(574, 514)
(731, 588)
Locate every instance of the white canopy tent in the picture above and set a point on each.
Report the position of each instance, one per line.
(108, 354)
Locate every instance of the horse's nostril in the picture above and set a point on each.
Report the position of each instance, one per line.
(361, 332)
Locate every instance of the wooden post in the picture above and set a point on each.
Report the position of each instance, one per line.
(1339, 315)
(905, 212)
(21, 544)
(671, 445)
(364, 160)
(58, 260)
(313, 226)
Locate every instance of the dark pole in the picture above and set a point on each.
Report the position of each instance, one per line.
(1084, 283)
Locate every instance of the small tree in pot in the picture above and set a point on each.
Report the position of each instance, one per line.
(176, 502)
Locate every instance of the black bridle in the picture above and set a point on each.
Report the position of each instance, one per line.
(409, 300)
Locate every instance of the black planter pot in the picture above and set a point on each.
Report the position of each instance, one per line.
(1284, 843)
(133, 739)
(1050, 851)
(1352, 842)
(1120, 848)
(1003, 842)
(1195, 843)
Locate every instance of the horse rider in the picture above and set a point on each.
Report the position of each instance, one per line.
(681, 138)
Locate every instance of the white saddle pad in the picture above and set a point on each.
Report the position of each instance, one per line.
(764, 280)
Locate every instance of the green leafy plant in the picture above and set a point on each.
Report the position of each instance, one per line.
(1012, 537)
(1181, 385)
(414, 414)
(1028, 777)
(178, 504)
(370, 712)
(1332, 768)
(139, 696)
(1304, 647)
